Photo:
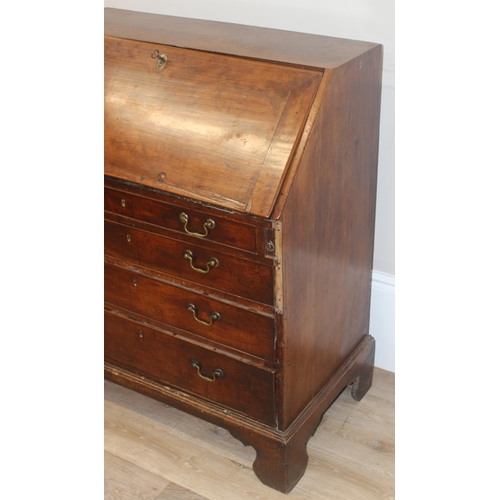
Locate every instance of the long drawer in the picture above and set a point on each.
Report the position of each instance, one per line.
(228, 324)
(200, 225)
(190, 261)
(208, 374)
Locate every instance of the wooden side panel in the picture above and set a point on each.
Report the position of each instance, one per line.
(328, 233)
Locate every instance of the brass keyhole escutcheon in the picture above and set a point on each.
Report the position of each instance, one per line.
(161, 59)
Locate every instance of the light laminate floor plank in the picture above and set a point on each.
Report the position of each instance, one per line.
(176, 492)
(126, 481)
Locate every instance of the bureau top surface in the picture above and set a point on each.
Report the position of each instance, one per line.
(236, 39)
(220, 121)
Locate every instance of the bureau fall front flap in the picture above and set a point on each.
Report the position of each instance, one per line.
(214, 128)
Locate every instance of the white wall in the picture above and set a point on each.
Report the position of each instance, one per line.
(382, 319)
(369, 20)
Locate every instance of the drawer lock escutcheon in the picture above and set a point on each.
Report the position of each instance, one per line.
(214, 316)
(213, 262)
(161, 59)
(209, 224)
(218, 373)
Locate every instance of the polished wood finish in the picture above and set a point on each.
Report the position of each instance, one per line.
(278, 146)
(165, 215)
(176, 130)
(243, 387)
(328, 225)
(238, 327)
(233, 275)
(301, 49)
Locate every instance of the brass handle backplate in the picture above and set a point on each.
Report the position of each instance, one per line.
(209, 224)
(213, 262)
(214, 316)
(218, 373)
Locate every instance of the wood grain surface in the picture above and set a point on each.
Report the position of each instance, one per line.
(240, 328)
(156, 452)
(182, 131)
(165, 215)
(167, 358)
(228, 38)
(230, 274)
(328, 234)
(276, 133)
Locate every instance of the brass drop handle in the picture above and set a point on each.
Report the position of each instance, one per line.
(213, 262)
(161, 59)
(214, 316)
(218, 373)
(209, 224)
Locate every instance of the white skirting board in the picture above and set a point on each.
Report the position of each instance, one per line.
(382, 322)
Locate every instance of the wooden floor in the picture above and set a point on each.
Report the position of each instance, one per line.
(153, 451)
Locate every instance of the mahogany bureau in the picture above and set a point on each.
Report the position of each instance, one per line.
(240, 179)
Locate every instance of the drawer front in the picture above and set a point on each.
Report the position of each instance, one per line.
(199, 225)
(233, 326)
(168, 359)
(190, 261)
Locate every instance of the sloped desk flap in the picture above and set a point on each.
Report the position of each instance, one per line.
(218, 129)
